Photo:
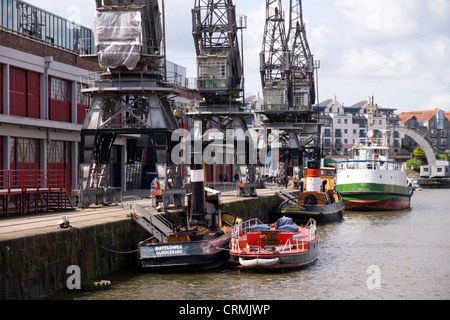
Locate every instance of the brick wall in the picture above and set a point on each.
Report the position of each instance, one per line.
(27, 45)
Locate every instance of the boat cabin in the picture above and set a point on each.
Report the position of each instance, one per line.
(371, 153)
(326, 174)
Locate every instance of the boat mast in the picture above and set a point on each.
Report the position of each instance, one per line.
(370, 135)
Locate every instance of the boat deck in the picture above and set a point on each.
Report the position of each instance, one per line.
(273, 241)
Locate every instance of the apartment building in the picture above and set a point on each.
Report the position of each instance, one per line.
(345, 126)
(433, 124)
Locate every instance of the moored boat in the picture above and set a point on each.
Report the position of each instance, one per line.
(319, 202)
(192, 246)
(370, 180)
(282, 245)
(182, 253)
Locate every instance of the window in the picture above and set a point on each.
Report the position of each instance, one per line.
(24, 154)
(60, 90)
(212, 73)
(60, 100)
(82, 98)
(274, 99)
(56, 152)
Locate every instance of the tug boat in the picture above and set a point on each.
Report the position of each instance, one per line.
(319, 202)
(282, 245)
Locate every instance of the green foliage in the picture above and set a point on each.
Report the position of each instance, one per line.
(416, 163)
(419, 154)
(408, 148)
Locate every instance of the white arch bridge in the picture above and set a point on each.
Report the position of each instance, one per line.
(421, 141)
(435, 168)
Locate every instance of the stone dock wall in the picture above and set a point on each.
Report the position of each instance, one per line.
(35, 266)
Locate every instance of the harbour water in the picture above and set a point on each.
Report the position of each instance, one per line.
(375, 255)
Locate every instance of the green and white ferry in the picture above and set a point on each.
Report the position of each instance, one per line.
(370, 180)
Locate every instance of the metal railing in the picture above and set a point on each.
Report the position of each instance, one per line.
(371, 164)
(303, 242)
(291, 243)
(242, 228)
(23, 191)
(34, 179)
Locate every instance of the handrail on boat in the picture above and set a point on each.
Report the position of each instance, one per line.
(371, 164)
(311, 226)
(244, 227)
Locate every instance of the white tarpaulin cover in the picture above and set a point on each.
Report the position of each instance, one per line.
(118, 38)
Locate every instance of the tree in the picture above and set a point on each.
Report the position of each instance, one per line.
(415, 163)
(420, 154)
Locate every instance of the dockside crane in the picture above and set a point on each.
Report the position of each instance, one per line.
(302, 88)
(220, 83)
(287, 80)
(274, 58)
(130, 95)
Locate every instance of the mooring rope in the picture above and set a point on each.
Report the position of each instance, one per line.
(100, 246)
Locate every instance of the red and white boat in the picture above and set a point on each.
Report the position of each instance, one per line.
(282, 245)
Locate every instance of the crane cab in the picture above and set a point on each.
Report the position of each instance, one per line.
(214, 73)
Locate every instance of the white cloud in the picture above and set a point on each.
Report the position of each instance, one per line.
(440, 9)
(378, 20)
(369, 62)
(441, 101)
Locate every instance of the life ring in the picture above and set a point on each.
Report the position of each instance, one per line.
(96, 285)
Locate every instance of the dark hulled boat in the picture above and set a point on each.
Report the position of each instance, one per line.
(321, 206)
(194, 246)
(183, 253)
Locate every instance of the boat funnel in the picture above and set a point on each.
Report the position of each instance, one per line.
(313, 182)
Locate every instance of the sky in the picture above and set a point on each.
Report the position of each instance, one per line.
(397, 51)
